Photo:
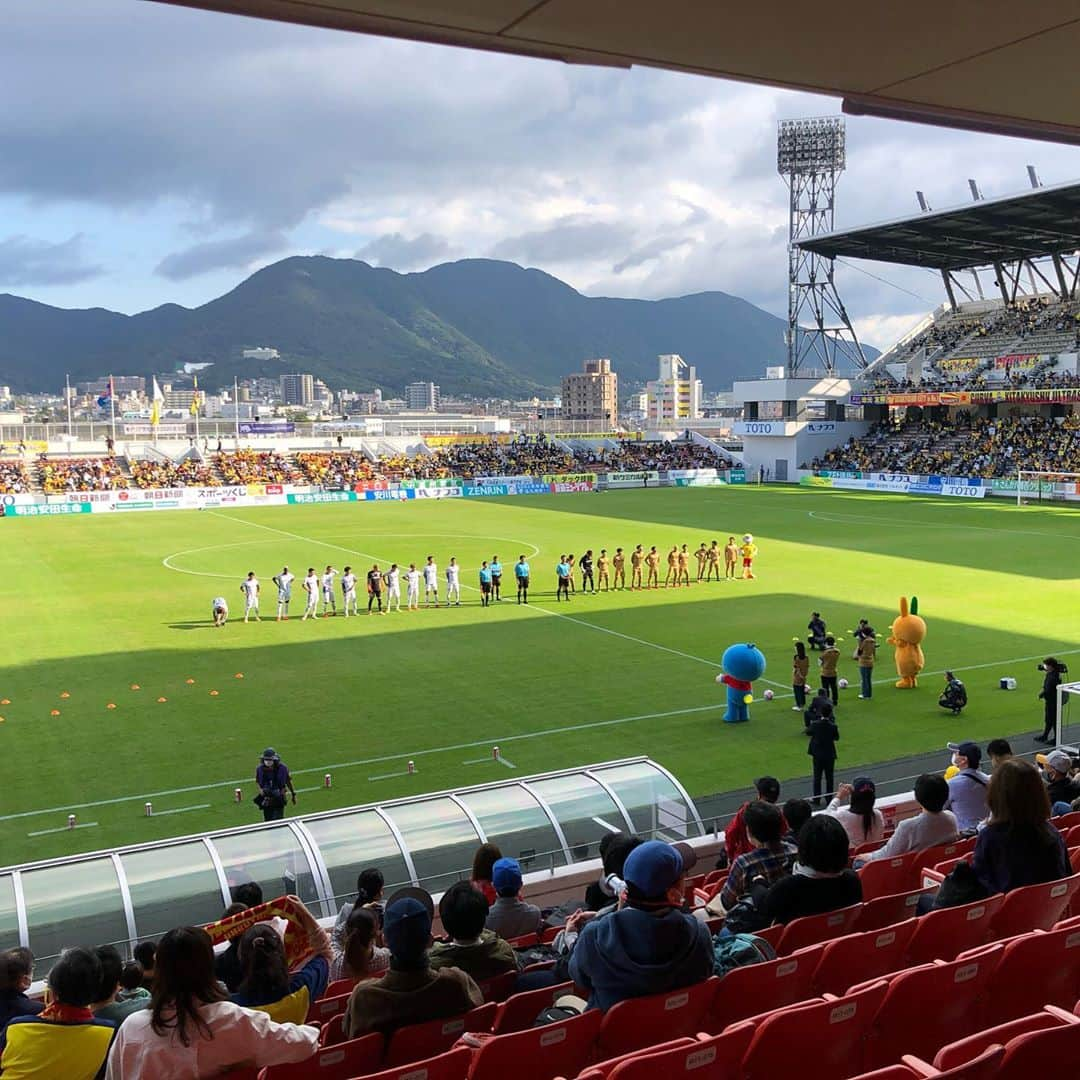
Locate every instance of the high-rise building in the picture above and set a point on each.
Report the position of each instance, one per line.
(592, 394)
(422, 396)
(297, 389)
(676, 394)
(122, 384)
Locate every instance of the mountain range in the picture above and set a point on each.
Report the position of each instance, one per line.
(480, 327)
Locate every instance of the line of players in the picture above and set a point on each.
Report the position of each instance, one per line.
(610, 574)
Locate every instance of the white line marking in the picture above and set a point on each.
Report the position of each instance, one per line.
(63, 828)
(606, 825)
(181, 810)
(502, 761)
(476, 761)
(390, 775)
(841, 519)
(317, 787)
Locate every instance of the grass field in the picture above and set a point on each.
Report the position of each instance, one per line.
(96, 604)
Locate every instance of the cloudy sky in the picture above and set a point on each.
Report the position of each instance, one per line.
(152, 154)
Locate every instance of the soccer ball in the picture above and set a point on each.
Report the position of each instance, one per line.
(842, 684)
(768, 695)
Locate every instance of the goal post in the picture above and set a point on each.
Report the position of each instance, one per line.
(1033, 485)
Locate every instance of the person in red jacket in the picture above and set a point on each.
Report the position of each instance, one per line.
(736, 838)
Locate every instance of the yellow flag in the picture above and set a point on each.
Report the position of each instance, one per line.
(155, 407)
(194, 409)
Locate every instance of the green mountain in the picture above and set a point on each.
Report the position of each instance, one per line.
(475, 327)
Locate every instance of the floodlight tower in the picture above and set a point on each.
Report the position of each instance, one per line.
(810, 156)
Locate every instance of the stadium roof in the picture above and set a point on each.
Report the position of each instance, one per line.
(997, 66)
(1041, 222)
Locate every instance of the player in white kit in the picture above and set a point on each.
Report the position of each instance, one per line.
(220, 610)
(328, 601)
(250, 588)
(453, 585)
(412, 579)
(431, 582)
(311, 587)
(283, 581)
(348, 592)
(393, 588)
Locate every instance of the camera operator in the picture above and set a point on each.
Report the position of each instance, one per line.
(1054, 669)
(273, 780)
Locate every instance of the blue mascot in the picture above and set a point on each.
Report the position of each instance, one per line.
(742, 665)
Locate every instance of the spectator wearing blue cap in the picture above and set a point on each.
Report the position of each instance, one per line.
(411, 992)
(648, 946)
(510, 917)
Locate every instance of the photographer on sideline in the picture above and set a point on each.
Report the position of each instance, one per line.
(273, 780)
(1054, 669)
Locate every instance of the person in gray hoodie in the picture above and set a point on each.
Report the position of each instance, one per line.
(648, 946)
(510, 917)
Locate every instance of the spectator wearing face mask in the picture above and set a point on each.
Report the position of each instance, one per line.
(967, 789)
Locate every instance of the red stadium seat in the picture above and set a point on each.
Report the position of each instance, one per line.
(966, 1049)
(943, 852)
(453, 1065)
(525, 941)
(717, 1057)
(1034, 907)
(1066, 821)
(1035, 970)
(549, 934)
(1055, 1052)
(890, 1072)
(539, 1053)
(814, 928)
(771, 934)
(820, 1041)
(638, 1022)
(927, 1006)
(347, 1059)
(882, 877)
(418, 1041)
(984, 1067)
(947, 932)
(867, 848)
(333, 1031)
(319, 1012)
(859, 957)
(886, 910)
(603, 1069)
(339, 987)
(499, 988)
(519, 1011)
(758, 989)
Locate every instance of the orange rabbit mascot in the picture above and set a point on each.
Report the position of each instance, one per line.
(908, 631)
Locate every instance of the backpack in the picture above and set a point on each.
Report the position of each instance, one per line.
(732, 951)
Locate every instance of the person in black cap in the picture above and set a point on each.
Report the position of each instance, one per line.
(411, 992)
(650, 945)
(273, 780)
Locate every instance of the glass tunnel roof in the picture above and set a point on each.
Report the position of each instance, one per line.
(134, 893)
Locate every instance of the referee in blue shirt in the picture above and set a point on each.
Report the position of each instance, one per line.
(485, 584)
(496, 577)
(521, 573)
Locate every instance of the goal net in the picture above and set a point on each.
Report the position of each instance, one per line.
(1038, 487)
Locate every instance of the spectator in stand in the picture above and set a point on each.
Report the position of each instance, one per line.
(1061, 788)
(192, 1030)
(106, 1005)
(267, 984)
(648, 946)
(369, 893)
(16, 975)
(247, 894)
(968, 788)
(736, 839)
(933, 826)
(862, 821)
(1053, 669)
(769, 860)
(487, 855)
(14, 479)
(144, 954)
(64, 1039)
(510, 917)
(820, 881)
(998, 750)
(797, 812)
(412, 991)
(360, 956)
(614, 848)
(478, 952)
(131, 987)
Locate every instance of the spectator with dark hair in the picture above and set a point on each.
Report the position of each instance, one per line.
(736, 840)
(862, 821)
(1061, 788)
(934, 826)
(192, 1030)
(478, 952)
(487, 855)
(824, 735)
(369, 891)
(510, 917)
(412, 991)
(227, 961)
(16, 975)
(248, 893)
(105, 1005)
(144, 956)
(968, 788)
(998, 750)
(648, 946)
(614, 848)
(131, 987)
(267, 984)
(361, 955)
(820, 881)
(1052, 669)
(769, 860)
(797, 812)
(800, 670)
(64, 1039)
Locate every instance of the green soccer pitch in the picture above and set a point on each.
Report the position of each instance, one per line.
(98, 604)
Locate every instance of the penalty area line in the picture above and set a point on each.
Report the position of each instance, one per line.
(64, 828)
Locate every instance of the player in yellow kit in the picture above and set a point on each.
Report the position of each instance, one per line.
(701, 555)
(682, 575)
(748, 550)
(652, 566)
(713, 559)
(637, 557)
(672, 575)
(602, 576)
(618, 561)
(731, 555)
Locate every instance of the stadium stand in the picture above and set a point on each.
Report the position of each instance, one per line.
(254, 467)
(14, 478)
(59, 475)
(190, 472)
(634, 456)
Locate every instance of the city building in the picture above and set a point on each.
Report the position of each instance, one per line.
(122, 384)
(261, 352)
(422, 397)
(675, 395)
(176, 399)
(297, 389)
(592, 394)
